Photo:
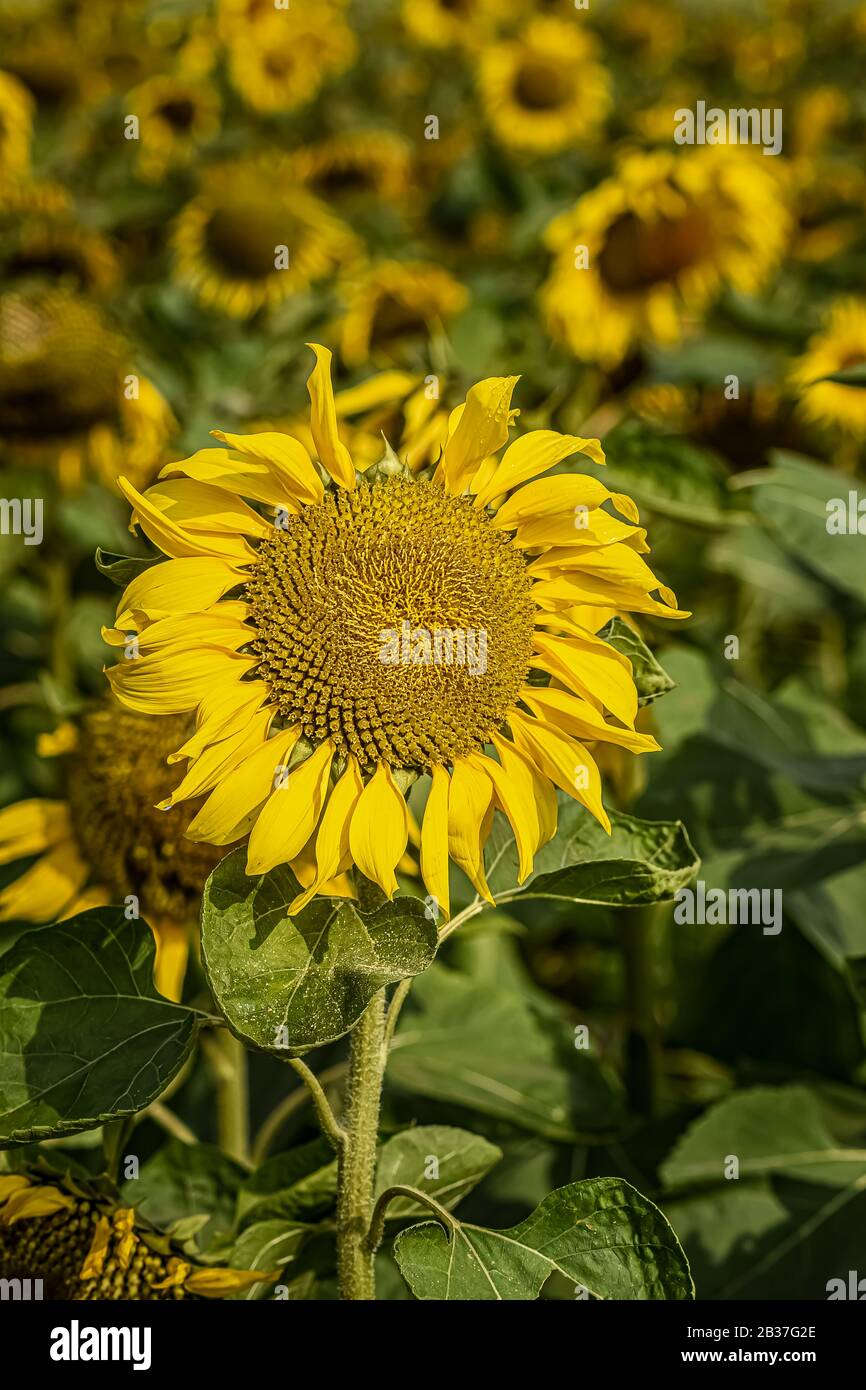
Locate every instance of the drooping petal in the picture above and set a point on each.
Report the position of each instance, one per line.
(288, 817)
(469, 800)
(176, 540)
(516, 799)
(592, 668)
(332, 452)
(176, 680)
(582, 720)
(216, 761)
(41, 894)
(523, 772)
(246, 477)
(379, 831)
(434, 841)
(565, 762)
(227, 813)
(333, 854)
(559, 496)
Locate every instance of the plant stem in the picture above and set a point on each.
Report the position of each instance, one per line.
(643, 1041)
(114, 1136)
(327, 1119)
(295, 1100)
(357, 1164)
(228, 1059)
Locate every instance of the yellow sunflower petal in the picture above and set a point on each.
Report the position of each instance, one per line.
(288, 818)
(226, 814)
(592, 668)
(29, 827)
(219, 1282)
(287, 460)
(565, 762)
(333, 854)
(560, 496)
(582, 720)
(41, 894)
(379, 831)
(532, 454)
(530, 781)
(481, 429)
(176, 540)
(216, 761)
(469, 800)
(177, 586)
(176, 680)
(333, 454)
(246, 477)
(37, 1200)
(516, 800)
(434, 841)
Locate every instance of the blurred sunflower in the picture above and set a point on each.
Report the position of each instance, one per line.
(355, 164)
(545, 89)
(16, 126)
(643, 255)
(41, 237)
(446, 23)
(839, 345)
(177, 115)
(651, 33)
(281, 62)
(70, 398)
(106, 839)
(251, 238)
(391, 304)
(280, 637)
(77, 1239)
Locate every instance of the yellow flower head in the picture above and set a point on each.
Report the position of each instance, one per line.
(251, 238)
(107, 839)
(839, 345)
(355, 164)
(391, 304)
(544, 90)
(643, 254)
(40, 237)
(71, 399)
(176, 115)
(449, 23)
(341, 636)
(16, 126)
(282, 60)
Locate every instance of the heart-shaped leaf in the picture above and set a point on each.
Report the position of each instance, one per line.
(286, 984)
(85, 1036)
(602, 1235)
(650, 678)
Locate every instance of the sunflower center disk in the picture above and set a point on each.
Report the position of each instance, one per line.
(395, 620)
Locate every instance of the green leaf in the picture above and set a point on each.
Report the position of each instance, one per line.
(601, 1235)
(183, 1181)
(85, 1036)
(668, 474)
(122, 569)
(850, 376)
(640, 861)
(792, 500)
(649, 677)
(267, 1245)
(461, 1161)
(300, 1183)
(286, 984)
(491, 1051)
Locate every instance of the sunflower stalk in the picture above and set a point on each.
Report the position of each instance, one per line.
(357, 1160)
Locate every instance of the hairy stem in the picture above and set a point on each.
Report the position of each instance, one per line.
(357, 1162)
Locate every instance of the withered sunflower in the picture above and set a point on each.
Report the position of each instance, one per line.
(275, 623)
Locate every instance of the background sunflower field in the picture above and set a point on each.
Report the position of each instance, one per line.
(443, 191)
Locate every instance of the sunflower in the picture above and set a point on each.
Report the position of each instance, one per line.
(317, 629)
(281, 61)
(839, 345)
(42, 238)
(16, 125)
(251, 237)
(70, 397)
(450, 23)
(545, 89)
(177, 115)
(105, 840)
(75, 1238)
(392, 303)
(355, 164)
(646, 252)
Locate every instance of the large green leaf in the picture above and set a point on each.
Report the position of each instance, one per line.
(442, 1161)
(291, 1186)
(668, 474)
(649, 677)
(490, 1050)
(601, 1235)
(639, 862)
(268, 1245)
(286, 984)
(85, 1036)
(791, 498)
